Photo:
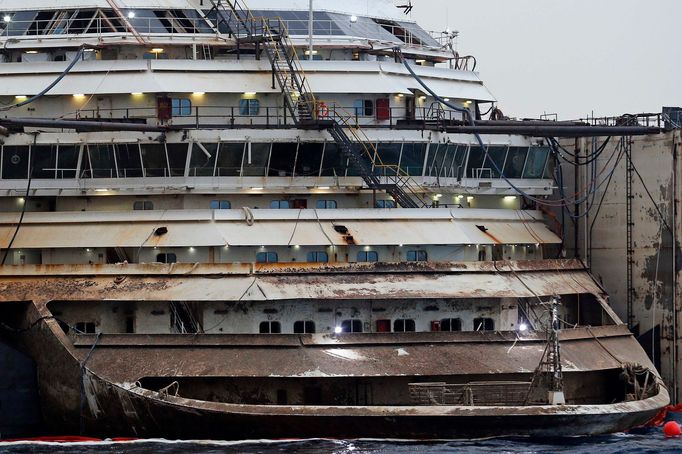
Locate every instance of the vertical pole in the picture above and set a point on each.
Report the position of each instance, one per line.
(576, 208)
(311, 45)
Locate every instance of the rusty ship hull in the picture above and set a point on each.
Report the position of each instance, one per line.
(174, 386)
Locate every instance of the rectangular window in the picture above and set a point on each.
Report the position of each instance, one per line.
(417, 256)
(351, 326)
(364, 107)
(368, 256)
(404, 326)
(270, 328)
(451, 324)
(167, 258)
(484, 324)
(220, 205)
(143, 205)
(249, 107)
(326, 205)
(280, 205)
(318, 257)
(85, 327)
(304, 327)
(267, 257)
(182, 107)
(386, 204)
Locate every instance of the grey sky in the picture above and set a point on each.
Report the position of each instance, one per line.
(569, 56)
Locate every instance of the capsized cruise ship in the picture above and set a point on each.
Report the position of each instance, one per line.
(230, 220)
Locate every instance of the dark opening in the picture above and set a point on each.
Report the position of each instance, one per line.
(484, 324)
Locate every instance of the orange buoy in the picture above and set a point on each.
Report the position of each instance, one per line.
(672, 429)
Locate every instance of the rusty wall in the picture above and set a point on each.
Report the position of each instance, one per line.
(603, 243)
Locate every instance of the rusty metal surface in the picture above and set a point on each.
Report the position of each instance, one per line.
(120, 363)
(92, 229)
(282, 286)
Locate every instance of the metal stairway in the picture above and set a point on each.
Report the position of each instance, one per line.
(301, 104)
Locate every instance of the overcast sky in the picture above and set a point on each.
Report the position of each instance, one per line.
(569, 57)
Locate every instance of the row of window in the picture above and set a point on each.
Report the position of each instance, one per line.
(382, 326)
(323, 257)
(148, 205)
(268, 159)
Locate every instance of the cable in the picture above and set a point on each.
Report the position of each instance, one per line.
(27, 198)
(73, 63)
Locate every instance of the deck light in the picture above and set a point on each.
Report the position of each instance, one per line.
(250, 93)
(446, 99)
(32, 52)
(400, 95)
(438, 196)
(422, 97)
(338, 330)
(131, 14)
(420, 61)
(191, 249)
(198, 93)
(21, 97)
(101, 190)
(257, 189)
(157, 50)
(79, 95)
(314, 52)
(7, 18)
(323, 188)
(523, 327)
(510, 197)
(353, 19)
(137, 93)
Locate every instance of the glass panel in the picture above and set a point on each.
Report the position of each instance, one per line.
(475, 164)
(309, 159)
(67, 161)
(15, 163)
(182, 107)
(145, 21)
(201, 165)
(230, 159)
(44, 161)
(128, 157)
(516, 160)
(535, 166)
(412, 161)
(388, 155)
(154, 159)
(549, 168)
(497, 155)
(334, 163)
(102, 160)
(459, 161)
(177, 158)
(282, 159)
(436, 157)
(19, 22)
(255, 167)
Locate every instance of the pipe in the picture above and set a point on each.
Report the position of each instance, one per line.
(80, 125)
(553, 131)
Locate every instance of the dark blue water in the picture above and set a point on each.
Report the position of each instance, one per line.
(649, 441)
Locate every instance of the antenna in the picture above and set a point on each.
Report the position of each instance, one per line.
(407, 8)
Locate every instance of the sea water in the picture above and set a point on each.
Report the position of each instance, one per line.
(645, 441)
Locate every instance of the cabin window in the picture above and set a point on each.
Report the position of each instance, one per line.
(404, 326)
(368, 256)
(417, 256)
(15, 163)
(309, 159)
(85, 327)
(482, 255)
(484, 324)
(364, 107)
(143, 205)
(220, 205)
(318, 257)
(270, 328)
(351, 326)
(383, 326)
(130, 325)
(280, 205)
(249, 107)
(451, 324)
(167, 258)
(304, 327)
(326, 205)
(267, 257)
(385, 204)
(182, 107)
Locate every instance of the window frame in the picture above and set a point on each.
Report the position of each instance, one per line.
(419, 256)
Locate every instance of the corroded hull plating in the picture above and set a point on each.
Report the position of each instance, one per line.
(77, 395)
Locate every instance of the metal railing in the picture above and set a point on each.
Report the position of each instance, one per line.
(267, 116)
(103, 26)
